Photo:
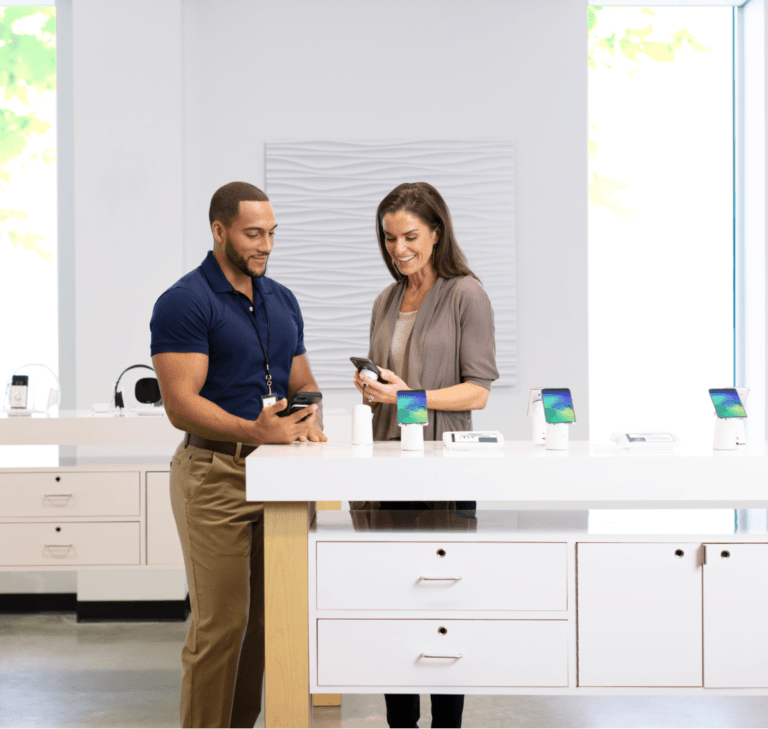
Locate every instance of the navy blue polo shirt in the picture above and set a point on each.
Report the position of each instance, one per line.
(202, 313)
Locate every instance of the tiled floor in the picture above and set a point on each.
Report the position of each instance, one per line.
(55, 672)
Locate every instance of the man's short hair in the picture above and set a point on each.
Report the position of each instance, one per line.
(225, 203)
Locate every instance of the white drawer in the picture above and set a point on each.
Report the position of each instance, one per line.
(397, 653)
(67, 543)
(69, 494)
(391, 576)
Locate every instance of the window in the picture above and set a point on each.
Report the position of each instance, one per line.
(661, 236)
(28, 210)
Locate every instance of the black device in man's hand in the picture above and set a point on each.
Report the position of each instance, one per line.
(300, 400)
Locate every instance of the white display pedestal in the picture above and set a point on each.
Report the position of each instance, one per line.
(557, 437)
(726, 432)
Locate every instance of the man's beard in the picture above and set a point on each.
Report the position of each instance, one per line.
(240, 263)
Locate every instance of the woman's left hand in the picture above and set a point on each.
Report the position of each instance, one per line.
(376, 391)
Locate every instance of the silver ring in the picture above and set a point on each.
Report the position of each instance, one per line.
(370, 398)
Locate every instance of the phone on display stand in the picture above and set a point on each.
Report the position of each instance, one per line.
(300, 400)
(363, 364)
(727, 403)
(558, 405)
(412, 407)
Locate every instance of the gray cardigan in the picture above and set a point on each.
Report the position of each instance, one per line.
(452, 342)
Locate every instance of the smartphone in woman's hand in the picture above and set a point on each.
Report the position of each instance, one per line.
(365, 364)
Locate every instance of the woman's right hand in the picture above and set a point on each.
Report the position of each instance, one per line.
(375, 392)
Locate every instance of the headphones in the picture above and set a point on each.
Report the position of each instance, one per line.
(147, 389)
(54, 394)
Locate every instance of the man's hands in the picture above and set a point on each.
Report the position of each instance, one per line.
(269, 427)
(376, 390)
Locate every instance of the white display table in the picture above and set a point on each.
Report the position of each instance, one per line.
(87, 512)
(299, 625)
(529, 477)
(82, 427)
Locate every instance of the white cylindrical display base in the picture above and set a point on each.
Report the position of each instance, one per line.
(726, 430)
(362, 427)
(539, 423)
(741, 431)
(557, 436)
(411, 437)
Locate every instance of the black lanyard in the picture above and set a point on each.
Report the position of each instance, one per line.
(253, 321)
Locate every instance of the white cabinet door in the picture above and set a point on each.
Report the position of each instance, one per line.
(442, 576)
(736, 616)
(639, 614)
(458, 653)
(163, 545)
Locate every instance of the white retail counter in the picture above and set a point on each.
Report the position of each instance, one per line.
(584, 477)
(526, 601)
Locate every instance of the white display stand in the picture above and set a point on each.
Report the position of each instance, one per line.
(362, 425)
(538, 419)
(412, 437)
(539, 423)
(726, 433)
(557, 437)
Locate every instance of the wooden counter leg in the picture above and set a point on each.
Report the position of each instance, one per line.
(286, 615)
(327, 699)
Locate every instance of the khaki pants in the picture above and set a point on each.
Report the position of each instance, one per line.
(222, 537)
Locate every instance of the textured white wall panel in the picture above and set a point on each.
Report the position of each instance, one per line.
(325, 196)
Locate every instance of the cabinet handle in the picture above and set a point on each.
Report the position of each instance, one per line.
(59, 546)
(442, 655)
(436, 579)
(57, 496)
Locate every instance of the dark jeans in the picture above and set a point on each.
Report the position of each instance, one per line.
(403, 709)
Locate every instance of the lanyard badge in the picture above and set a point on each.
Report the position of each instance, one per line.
(270, 398)
(267, 400)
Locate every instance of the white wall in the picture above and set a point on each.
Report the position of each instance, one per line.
(258, 71)
(128, 181)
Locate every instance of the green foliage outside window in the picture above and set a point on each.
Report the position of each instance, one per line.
(27, 70)
(625, 51)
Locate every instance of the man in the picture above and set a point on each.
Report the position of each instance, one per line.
(226, 343)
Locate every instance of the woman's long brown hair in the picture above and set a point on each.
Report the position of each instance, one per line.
(426, 203)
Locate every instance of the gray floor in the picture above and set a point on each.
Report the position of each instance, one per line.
(55, 672)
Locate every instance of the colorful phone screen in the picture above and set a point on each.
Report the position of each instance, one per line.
(727, 403)
(412, 407)
(558, 405)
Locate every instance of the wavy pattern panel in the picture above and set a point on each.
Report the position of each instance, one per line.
(325, 196)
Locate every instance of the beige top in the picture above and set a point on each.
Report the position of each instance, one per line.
(403, 329)
(452, 341)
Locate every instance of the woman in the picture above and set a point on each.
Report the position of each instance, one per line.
(431, 330)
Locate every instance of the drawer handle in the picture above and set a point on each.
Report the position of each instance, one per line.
(58, 496)
(454, 579)
(59, 546)
(442, 655)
